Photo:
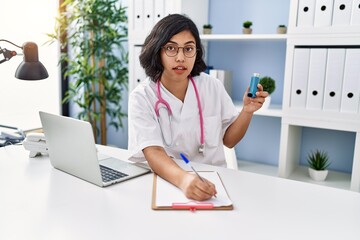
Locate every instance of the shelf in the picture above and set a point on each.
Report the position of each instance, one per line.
(321, 119)
(274, 110)
(257, 168)
(243, 37)
(334, 179)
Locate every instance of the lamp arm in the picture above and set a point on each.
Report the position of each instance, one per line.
(7, 54)
(4, 40)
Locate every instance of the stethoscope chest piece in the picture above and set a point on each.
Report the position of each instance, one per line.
(202, 148)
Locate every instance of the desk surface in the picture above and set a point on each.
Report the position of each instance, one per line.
(40, 202)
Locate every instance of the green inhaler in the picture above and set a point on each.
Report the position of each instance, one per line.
(253, 85)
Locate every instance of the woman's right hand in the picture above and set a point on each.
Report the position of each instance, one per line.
(190, 184)
(194, 188)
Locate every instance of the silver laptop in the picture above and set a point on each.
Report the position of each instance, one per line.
(72, 149)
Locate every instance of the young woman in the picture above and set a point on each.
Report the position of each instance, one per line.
(180, 109)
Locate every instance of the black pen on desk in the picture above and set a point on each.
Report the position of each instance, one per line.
(188, 163)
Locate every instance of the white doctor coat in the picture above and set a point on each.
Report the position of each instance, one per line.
(218, 113)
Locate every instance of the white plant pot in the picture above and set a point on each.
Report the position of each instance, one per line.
(247, 30)
(267, 102)
(318, 175)
(207, 31)
(281, 30)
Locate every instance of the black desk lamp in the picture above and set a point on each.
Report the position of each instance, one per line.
(30, 68)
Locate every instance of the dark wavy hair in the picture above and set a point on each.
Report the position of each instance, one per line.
(162, 32)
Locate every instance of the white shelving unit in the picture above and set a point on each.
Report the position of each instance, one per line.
(274, 110)
(311, 28)
(243, 37)
(258, 168)
(301, 33)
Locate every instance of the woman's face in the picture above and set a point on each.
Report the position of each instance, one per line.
(178, 57)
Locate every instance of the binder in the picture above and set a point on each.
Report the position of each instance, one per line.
(306, 12)
(138, 15)
(213, 73)
(299, 78)
(355, 14)
(351, 83)
(196, 10)
(323, 13)
(166, 196)
(334, 77)
(139, 72)
(169, 7)
(342, 12)
(148, 14)
(225, 77)
(316, 80)
(159, 11)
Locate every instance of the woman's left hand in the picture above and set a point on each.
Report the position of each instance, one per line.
(253, 104)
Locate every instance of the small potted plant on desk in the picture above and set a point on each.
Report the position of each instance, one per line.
(247, 27)
(207, 29)
(318, 163)
(281, 29)
(268, 85)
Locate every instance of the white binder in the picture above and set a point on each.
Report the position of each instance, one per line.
(224, 76)
(316, 80)
(148, 14)
(355, 14)
(299, 78)
(213, 73)
(351, 84)
(323, 13)
(139, 72)
(196, 10)
(170, 7)
(334, 78)
(342, 12)
(159, 11)
(138, 15)
(306, 12)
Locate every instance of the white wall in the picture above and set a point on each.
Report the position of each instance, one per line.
(20, 101)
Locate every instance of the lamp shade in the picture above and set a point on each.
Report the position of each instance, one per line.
(30, 68)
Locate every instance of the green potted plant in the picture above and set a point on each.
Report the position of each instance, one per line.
(247, 27)
(281, 29)
(268, 85)
(318, 163)
(92, 36)
(207, 28)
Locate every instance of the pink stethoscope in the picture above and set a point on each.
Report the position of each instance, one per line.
(168, 108)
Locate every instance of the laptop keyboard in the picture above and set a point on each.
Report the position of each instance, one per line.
(109, 174)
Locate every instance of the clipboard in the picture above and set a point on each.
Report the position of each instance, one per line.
(166, 196)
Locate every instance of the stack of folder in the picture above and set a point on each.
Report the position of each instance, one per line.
(326, 79)
(328, 13)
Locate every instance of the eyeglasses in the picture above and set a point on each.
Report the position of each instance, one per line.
(173, 50)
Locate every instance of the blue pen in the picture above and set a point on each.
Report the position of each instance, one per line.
(188, 163)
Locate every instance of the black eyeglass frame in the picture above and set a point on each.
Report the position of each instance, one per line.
(177, 50)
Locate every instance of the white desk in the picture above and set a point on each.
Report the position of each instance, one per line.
(40, 202)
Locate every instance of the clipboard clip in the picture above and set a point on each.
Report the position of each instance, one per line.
(193, 206)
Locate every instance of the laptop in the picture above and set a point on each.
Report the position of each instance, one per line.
(72, 149)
